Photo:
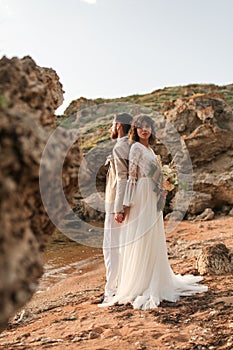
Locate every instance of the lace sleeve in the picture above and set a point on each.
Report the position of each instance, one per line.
(134, 157)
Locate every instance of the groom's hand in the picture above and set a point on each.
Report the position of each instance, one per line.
(126, 212)
(119, 217)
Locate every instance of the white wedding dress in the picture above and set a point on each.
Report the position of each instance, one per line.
(145, 276)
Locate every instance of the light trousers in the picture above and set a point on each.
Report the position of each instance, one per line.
(111, 252)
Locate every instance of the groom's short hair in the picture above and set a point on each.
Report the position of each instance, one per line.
(126, 120)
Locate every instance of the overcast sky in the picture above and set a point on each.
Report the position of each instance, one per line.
(114, 48)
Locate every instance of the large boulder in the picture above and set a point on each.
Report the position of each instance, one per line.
(215, 260)
(29, 96)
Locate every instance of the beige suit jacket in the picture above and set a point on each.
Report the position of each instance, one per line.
(117, 176)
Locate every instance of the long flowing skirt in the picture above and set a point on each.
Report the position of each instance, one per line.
(145, 276)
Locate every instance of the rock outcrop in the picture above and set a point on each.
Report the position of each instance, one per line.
(29, 96)
(216, 259)
(205, 123)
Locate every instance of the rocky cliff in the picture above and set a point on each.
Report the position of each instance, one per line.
(205, 123)
(29, 96)
(203, 117)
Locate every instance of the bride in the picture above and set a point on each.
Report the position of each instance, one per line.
(145, 276)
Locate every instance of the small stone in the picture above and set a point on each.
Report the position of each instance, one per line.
(207, 214)
(77, 340)
(93, 335)
(114, 338)
(181, 127)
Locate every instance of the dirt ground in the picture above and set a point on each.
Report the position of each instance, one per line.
(67, 315)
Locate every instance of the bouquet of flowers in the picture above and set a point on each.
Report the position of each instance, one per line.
(165, 180)
(170, 177)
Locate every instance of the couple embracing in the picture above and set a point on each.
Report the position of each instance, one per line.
(134, 247)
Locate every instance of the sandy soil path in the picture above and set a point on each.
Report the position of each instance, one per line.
(67, 315)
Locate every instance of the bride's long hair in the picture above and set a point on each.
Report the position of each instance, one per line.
(137, 123)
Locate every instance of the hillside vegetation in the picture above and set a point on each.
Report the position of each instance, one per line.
(95, 130)
(157, 98)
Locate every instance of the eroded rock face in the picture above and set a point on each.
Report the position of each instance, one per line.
(29, 96)
(28, 87)
(205, 123)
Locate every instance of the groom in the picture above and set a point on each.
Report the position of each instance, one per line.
(114, 195)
